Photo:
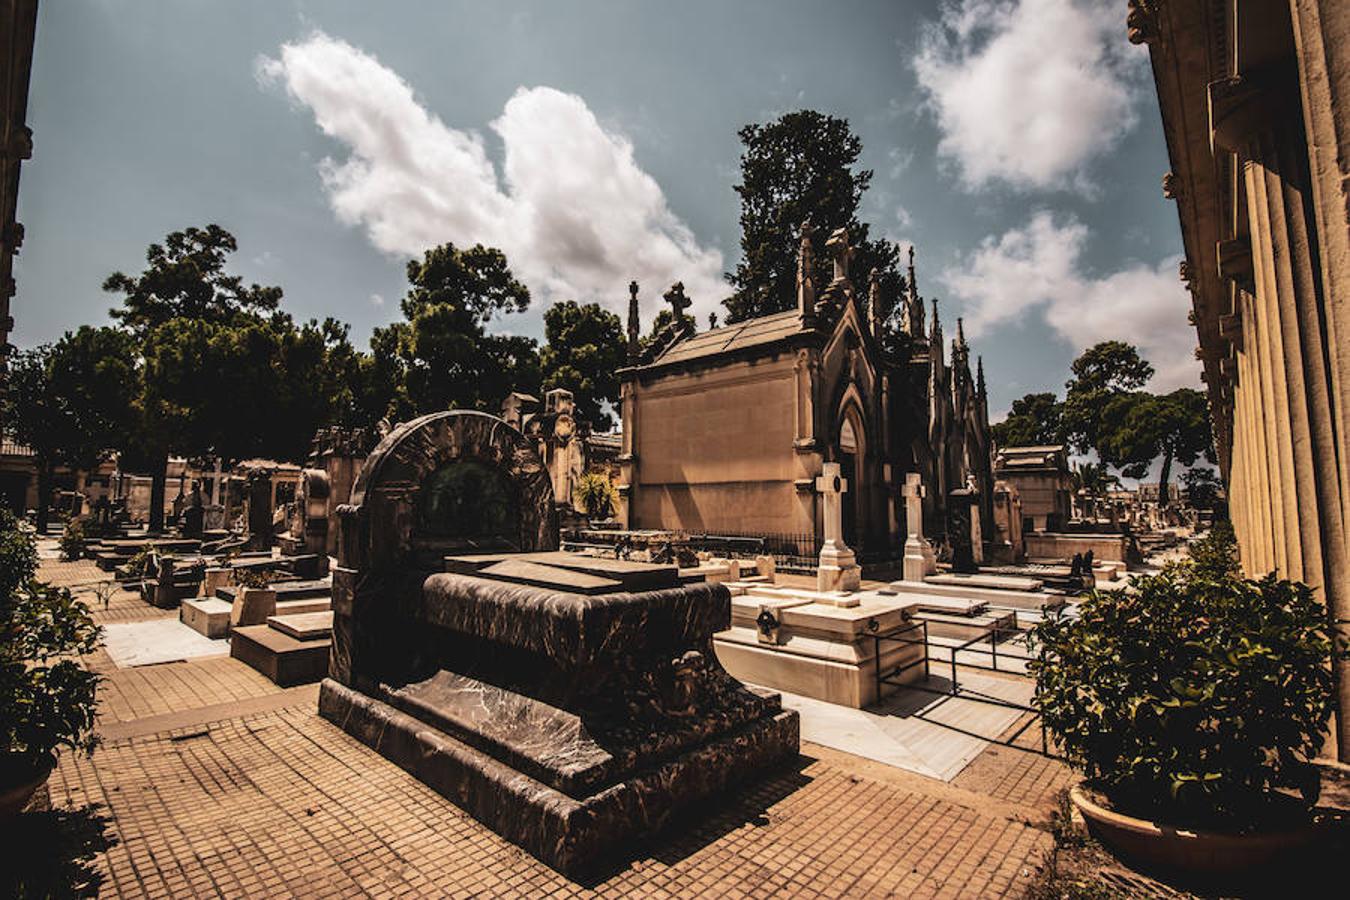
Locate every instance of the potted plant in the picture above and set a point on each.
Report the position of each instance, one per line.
(1193, 702)
(47, 699)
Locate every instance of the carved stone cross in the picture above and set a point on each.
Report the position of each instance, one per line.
(919, 559)
(832, 486)
(677, 300)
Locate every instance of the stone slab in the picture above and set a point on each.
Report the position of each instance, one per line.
(157, 641)
(283, 659)
(297, 607)
(286, 590)
(571, 834)
(522, 571)
(304, 626)
(207, 616)
(936, 594)
(983, 580)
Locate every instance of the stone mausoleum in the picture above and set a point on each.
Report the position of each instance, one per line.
(726, 431)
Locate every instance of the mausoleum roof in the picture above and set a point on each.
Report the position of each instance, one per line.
(730, 338)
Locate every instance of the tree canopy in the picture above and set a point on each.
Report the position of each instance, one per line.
(801, 166)
(586, 348)
(1102, 374)
(1034, 420)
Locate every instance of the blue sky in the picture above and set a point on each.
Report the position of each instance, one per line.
(1016, 143)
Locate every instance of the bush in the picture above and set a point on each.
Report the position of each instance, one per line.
(72, 540)
(596, 494)
(1190, 695)
(47, 699)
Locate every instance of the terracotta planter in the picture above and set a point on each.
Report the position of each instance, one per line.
(19, 781)
(1196, 853)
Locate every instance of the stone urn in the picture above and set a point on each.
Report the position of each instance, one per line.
(252, 606)
(20, 779)
(1198, 854)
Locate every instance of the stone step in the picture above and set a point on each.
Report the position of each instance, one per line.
(285, 660)
(304, 626)
(966, 627)
(304, 606)
(206, 615)
(986, 580)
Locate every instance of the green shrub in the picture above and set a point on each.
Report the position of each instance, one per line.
(596, 494)
(1191, 694)
(72, 540)
(1216, 554)
(47, 699)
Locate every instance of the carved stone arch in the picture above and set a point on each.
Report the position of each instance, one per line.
(390, 520)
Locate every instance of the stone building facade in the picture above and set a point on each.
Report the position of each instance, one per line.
(18, 25)
(1255, 100)
(725, 431)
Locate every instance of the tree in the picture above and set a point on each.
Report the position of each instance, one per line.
(70, 402)
(441, 355)
(585, 349)
(799, 167)
(1101, 374)
(1034, 420)
(1137, 428)
(1202, 487)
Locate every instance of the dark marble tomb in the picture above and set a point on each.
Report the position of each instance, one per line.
(571, 703)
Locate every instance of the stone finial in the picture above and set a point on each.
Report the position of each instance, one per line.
(1141, 22)
(677, 300)
(1171, 186)
(806, 267)
(1184, 272)
(875, 314)
(840, 252)
(712, 320)
(634, 325)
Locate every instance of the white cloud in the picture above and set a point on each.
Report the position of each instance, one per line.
(377, 299)
(1039, 268)
(1027, 91)
(576, 215)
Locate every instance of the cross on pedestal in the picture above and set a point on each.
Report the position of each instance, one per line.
(838, 570)
(919, 559)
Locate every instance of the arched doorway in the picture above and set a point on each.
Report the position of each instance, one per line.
(852, 446)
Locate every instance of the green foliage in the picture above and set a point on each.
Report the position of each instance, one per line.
(1202, 487)
(185, 278)
(252, 577)
(441, 356)
(586, 348)
(1190, 695)
(1034, 420)
(1215, 555)
(797, 167)
(47, 699)
(596, 493)
(1138, 427)
(1093, 478)
(72, 540)
(1101, 373)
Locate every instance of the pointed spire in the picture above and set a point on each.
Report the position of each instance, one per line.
(936, 333)
(913, 304)
(876, 316)
(806, 268)
(634, 325)
(961, 334)
(980, 389)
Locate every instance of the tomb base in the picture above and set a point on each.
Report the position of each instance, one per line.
(571, 833)
(838, 571)
(799, 642)
(285, 660)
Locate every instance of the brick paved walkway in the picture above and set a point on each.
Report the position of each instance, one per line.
(214, 782)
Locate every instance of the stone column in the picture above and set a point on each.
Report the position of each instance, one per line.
(1258, 117)
(919, 558)
(838, 569)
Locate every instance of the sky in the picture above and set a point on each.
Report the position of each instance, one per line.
(1015, 143)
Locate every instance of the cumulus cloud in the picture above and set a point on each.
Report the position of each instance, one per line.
(575, 213)
(1038, 268)
(1027, 92)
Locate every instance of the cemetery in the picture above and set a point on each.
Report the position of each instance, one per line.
(531, 584)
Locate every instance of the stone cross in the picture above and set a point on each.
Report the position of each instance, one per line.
(919, 559)
(677, 300)
(832, 486)
(837, 572)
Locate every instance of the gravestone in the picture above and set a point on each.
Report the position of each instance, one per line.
(838, 569)
(570, 703)
(194, 513)
(919, 560)
(259, 487)
(962, 529)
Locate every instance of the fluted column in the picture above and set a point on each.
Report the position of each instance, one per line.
(1258, 116)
